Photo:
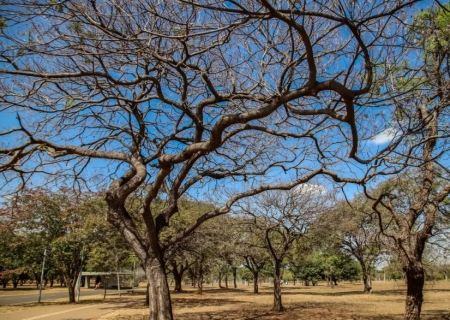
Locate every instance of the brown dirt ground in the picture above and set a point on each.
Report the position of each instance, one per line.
(344, 302)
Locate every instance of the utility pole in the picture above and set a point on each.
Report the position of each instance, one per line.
(42, 276)
(79, 275)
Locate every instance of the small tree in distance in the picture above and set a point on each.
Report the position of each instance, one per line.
(278, 219)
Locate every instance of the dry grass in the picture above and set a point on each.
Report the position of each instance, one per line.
(27, 289)
(94, 299)
(344, 302)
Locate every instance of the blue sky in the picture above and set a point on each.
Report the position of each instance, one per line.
(7, 120)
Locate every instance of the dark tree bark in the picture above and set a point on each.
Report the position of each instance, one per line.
(178, 279)
(277, 303)
(71, 288)
(147, 296)
(255, 283)
(234, 277)
(226, 278)
(177, 272)
(220, 279)
(415, 278)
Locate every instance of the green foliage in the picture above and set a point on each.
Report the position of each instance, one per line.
(245, 274)
(320, 266)
(430, 29)
(394, 270)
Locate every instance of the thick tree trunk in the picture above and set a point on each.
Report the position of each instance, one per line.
(160, 304)
(177, 277)
(367, 282)
(277, 303)
(255, 283)
(234, 277)
(71, 288)
(414, 295)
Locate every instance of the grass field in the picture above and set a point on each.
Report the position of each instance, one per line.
(28, 289)
(346, 301)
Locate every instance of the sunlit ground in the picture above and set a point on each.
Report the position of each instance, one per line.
(346, 301)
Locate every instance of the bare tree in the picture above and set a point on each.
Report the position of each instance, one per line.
(278, 219)
(411, 201)
(361, 240)
(180, 95)
(355, 230)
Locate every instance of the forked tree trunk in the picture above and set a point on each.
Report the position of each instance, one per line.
(255, 282)
(177, 276)
(414, 294)
(160, 304)
(71, 288)
(367, 282)
(277, 303)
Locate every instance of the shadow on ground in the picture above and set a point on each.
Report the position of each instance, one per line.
(316, 311)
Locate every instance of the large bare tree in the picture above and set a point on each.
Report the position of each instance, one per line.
(187, 98)
(411, 202)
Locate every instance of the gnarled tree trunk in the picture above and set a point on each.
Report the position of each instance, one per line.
(160, 304)
(277, 303)
(177, 276)
(367, 282)
(415, 278)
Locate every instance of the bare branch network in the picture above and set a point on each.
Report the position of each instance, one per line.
(186, 98)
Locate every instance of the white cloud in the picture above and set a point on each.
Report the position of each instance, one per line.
(385, 136)
(308, 188)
